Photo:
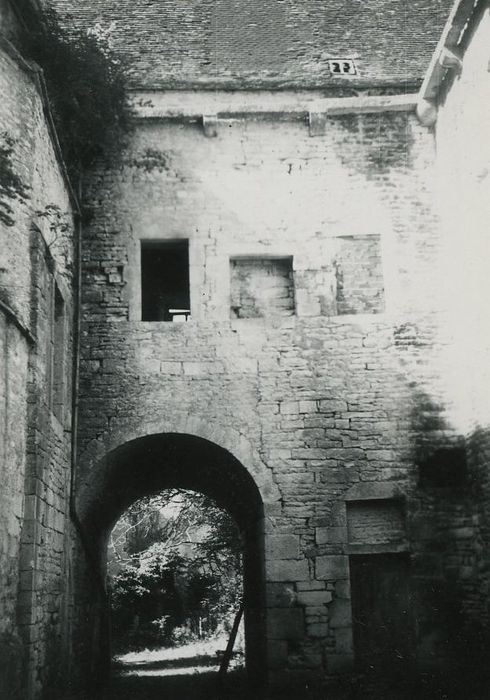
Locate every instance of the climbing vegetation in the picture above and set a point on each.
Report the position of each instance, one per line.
(86, 86)
(12, 187)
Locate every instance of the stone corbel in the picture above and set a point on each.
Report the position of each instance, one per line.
(426, 112)
(449, 60)
(210, 125)
(317, 122)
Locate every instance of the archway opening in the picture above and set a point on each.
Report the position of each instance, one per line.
(151, 465)
(175, 570)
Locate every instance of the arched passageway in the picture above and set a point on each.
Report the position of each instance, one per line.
(150, 464)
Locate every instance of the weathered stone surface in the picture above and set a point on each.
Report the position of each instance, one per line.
(332, 567)
(317, 629)
(339, 663)
(330, 535)
(277, 653)
(282, 547)
(322, 400)
(285, 624)
(280, 595)
(287, 570)
(36, 303)
(340, 613)
(344, 642)
(314, 597)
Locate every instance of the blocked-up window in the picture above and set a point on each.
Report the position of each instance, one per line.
(261, 287)
(375, 522)
(165, 294)
(359, 275)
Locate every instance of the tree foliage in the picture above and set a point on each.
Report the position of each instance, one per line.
(177, 570)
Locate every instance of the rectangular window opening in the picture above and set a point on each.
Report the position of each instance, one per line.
(58, 354)
(165, 293)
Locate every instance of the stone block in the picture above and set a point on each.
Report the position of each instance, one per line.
(332, 567)
(285, 623)
(344, 643)
(277, 653)
(308, 407)
(310, 586)
(314, 597)
(280, 595)
(287, 570)
(167, 367)
(289, 407)
(203, 368)
(317, 629)
(339, 663)
(331, 535)
(381, 455)
(282, 547)
(340, 613)
(332, 405)
(342, 589)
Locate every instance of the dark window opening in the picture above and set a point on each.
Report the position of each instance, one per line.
(165, 294)
(58, 354)
(446, 467)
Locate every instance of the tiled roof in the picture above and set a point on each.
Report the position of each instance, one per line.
(261, 43)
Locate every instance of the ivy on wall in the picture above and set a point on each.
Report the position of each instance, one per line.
(12, 187)
(86, 88)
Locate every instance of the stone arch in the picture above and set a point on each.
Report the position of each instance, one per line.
(124, 430)
(147, 464)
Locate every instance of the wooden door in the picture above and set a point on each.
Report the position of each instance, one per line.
(382, 611)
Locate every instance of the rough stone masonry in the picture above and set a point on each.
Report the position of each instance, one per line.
(293, 356)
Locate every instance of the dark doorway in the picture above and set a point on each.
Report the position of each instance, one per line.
(147, 466)
(381, 611)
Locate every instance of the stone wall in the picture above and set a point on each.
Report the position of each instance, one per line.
(324, 350)
(36, 313)
(335, 406)
(13, 409)
(463, 146)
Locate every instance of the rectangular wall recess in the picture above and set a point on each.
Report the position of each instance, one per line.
(165, 294)
(261, 287)
(375, 522)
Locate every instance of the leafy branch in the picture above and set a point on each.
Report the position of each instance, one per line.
(57, 222)
(12, 187)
